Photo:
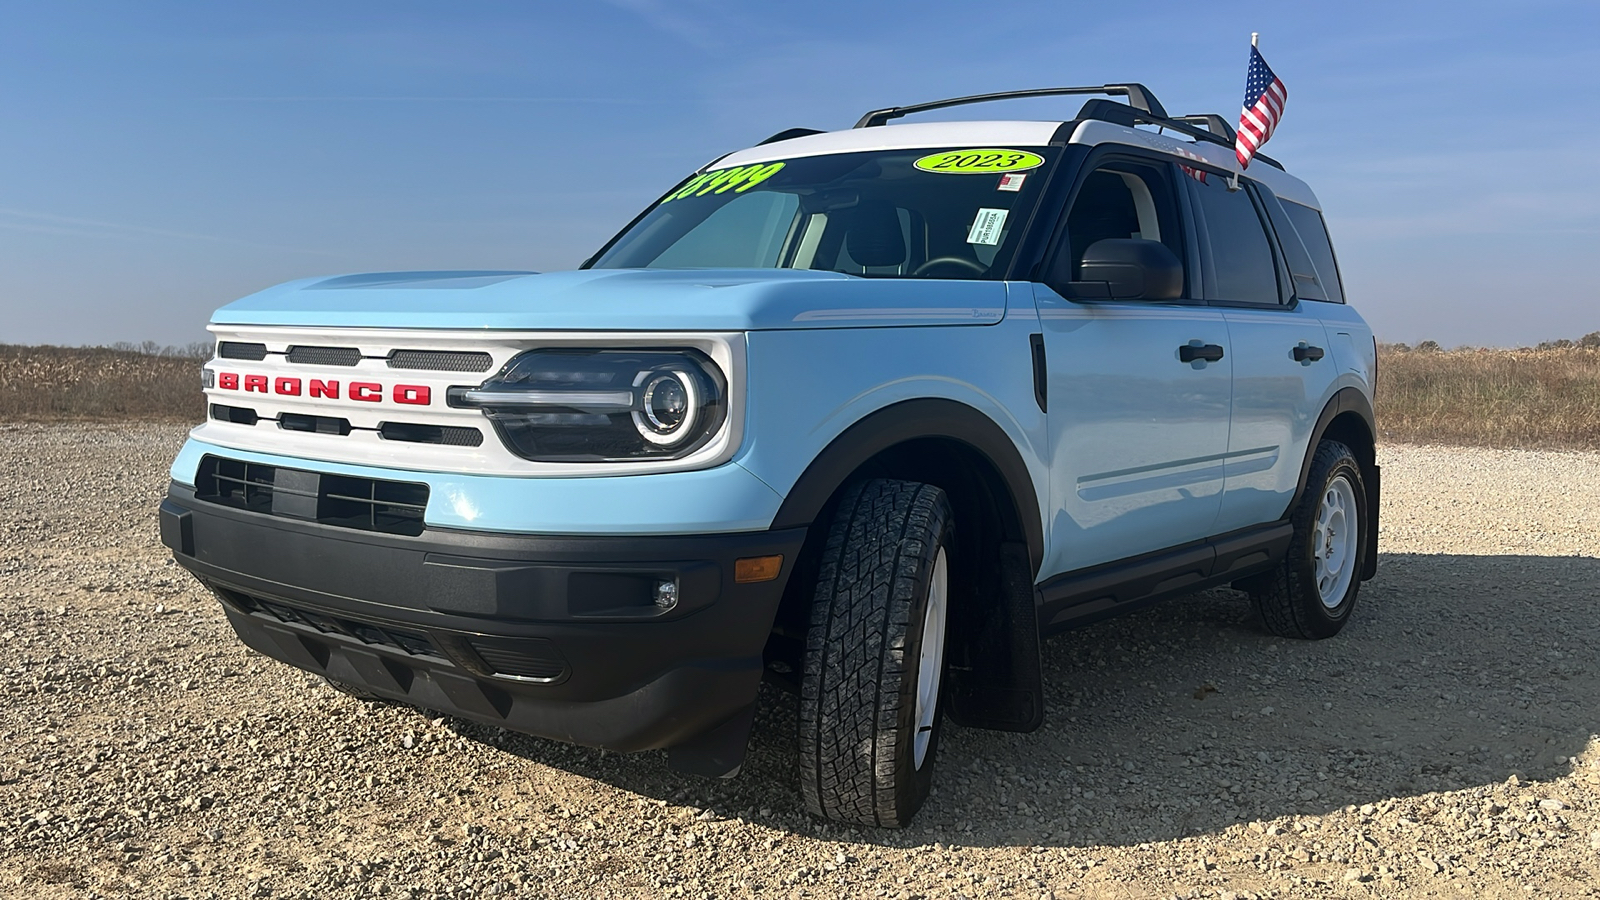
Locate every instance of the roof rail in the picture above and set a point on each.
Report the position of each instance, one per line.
(789, 133)
(1139, 97)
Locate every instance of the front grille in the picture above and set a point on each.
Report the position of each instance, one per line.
(452, 435)
(409, 642)
(237, 350)
(238, 415)
(324, 356)
(532, 658)
(317, 424)
(343, 501)
(441, 360)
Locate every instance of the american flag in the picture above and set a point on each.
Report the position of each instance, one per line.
(1264, 97)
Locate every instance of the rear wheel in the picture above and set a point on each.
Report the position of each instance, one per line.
(874, 656)
(1312, 593)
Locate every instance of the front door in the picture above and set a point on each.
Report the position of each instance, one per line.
(1139, 425)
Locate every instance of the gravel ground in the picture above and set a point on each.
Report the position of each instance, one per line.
(1442, 746)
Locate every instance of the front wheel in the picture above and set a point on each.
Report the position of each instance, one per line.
(1312, 593)
(874, 657)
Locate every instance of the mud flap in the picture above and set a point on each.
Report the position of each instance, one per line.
(995, 680)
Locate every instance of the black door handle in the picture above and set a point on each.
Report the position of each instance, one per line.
(1307, 353)
(1193, 351)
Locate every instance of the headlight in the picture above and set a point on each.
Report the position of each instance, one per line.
(602, 405)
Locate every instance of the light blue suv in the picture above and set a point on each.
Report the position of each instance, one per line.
(866, 413)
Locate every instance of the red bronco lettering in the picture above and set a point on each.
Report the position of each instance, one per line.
(316, 388)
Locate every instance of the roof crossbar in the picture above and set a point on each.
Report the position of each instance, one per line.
(1216, 130)
(1139, 97)
(1212, 122)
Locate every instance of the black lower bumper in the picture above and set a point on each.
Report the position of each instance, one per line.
(559, 637)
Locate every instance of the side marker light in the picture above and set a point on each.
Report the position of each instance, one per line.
(753, 569)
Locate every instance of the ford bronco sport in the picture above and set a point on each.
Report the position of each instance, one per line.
(868, 412)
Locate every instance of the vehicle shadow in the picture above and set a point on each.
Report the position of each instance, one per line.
(1186, 718)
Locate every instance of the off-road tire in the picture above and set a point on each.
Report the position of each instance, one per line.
(858, 682)
(1287, 596)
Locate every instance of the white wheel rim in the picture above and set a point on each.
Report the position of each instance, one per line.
(1334, 541)
(930, 663)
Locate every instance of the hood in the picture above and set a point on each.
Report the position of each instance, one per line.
(619, 299)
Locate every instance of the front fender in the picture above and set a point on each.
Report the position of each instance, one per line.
(822, 402)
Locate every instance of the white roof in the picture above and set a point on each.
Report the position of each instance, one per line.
(1017, 134)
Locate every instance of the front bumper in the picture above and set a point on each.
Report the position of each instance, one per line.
(552, 636)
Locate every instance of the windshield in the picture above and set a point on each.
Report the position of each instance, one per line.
(921, 213)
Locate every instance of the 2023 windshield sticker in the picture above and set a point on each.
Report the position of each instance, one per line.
(737, 179)
(983, 161)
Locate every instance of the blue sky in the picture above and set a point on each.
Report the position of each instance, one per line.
(160, 159)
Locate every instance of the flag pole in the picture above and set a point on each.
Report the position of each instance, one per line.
(1255, 43)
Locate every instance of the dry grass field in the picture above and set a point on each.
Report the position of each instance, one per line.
(1545, 398)
(86, 384)
(1532, 398)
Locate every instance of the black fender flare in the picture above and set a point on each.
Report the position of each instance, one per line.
(906, 421)
(1347, 400)
(998, 682)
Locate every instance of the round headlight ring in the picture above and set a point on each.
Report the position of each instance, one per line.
(669, 406)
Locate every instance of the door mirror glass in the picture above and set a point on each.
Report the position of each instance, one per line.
(1127, 269)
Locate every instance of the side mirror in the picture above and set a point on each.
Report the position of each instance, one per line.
(1126, 269)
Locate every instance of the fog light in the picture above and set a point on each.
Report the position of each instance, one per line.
(666, 595)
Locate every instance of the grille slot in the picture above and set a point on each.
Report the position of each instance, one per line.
(534, 659)
(238, 415)
(343, 501)
(238, 350)
(324, 356)
(409, 642)
(441, 360)
(452, 435)
(317, 424)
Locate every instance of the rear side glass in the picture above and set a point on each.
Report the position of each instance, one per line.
(1314, 235)
(1242, 264)
(1307, 286)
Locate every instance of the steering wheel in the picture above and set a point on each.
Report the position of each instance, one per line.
(968, 266)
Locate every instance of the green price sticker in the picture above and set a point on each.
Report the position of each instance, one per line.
(979, 162)
(738, 179)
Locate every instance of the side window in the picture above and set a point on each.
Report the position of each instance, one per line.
(1123, 200)
(1314, 234)
(748, 232)
(1242, 264)
(1302, 271)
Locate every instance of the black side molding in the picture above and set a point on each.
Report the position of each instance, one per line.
(1113, 588)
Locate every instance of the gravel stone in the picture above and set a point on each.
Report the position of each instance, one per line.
(1443, 746)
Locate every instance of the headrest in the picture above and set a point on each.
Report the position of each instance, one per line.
(874, 238)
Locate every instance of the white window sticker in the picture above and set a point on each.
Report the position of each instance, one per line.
(1012, 182)
(987, 226)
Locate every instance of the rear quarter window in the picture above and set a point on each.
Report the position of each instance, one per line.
(1314, 235)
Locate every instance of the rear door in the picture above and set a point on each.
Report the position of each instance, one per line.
(1138, 434)
(1283, 370)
